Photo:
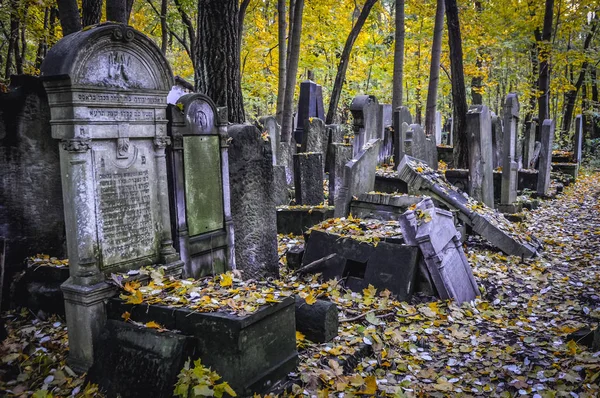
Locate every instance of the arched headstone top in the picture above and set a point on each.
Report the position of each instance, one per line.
(200, 113)
(109, 56)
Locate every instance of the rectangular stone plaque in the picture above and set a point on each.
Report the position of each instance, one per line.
(126, 201)
(203, 186)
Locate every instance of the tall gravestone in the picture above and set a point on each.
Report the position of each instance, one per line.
(31, 208)
(252, 202)
(401, 116)
(529, 144)
(438, 128)
(199, 180)
(384, 128)
(365, 109)
(547, 137)
(273, 129)
(107, 88)
(509, 164)
(340, 155)
(310, 104)
(479, 133)
(578, 139)
(308, 178)
(315, 138)
(497, 140)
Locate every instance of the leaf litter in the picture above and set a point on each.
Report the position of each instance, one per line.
(511, 341)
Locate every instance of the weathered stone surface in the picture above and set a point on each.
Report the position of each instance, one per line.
(314, 138)
(297, 220)
(199, 186)
(433, 231)
(335, 135)
(438, 128)
(484, 221)
(401, 116)
(288, 150)
(308, 178)
(359, 177)
(31, 204)
(388, 265)
(133, 361)
(114, 174)
(340, 155)
(529, 144)
(310, 104)
(281, 193)
(273, 129)
(382, 206)
(252, 204)
(365, 109)
(479, 132)
(509, 163)
(250, 352)
(39, 289)
(294, 257)
(384, 129)
(318, 321)
(497, 140)
(543, 182)
(578, 139)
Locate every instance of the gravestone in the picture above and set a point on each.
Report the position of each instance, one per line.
(401, 116)
(497, 140)
(271, 127)
(529, 144)
(315, 138)
(434, 232)
(431, 152)
(252, 205)
(365, 109)
(384, 120)
(308, 178)
(199, 181)
(31, 206)
(485, 221)
(438, 128)
(335, 134)
(341, 154)
(310, 104)
(281, 193)
(509, 164)
(578, 139)
(417, 146)
(479, 136)
(382, 206)
(107, 88)
(543, 182)
(287, 151)
(359, 177)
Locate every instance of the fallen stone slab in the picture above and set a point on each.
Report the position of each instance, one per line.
(298, 219)
(317, 321)
(500, 232)
(433, 231)
(382, 206)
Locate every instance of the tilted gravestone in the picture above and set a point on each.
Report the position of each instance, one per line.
(365, 109)
(509, 164)
(252, 205)
(434, 232)
(107, 88)
(199, 180)
(308, 178)
(529, 144)
(479, 133)
(485, 221)
(543, 182)
(31, 207)
(401, 116)
(359, 177)
(310, 104)
(497, 140)
(341, 154)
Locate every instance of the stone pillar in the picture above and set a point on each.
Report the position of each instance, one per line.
(529, 144)
(578, 139)
(545, 157)
(438, 128)
(509, 165)
(401, 116)
(497, 140)
(479, 133)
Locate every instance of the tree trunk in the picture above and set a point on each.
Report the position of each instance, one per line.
(241, 15)
(544, 55)
(189, 26)
(116, 11)
(91, 12)
(282, 30)
(218, 55)
(345, 58)
(434, 69)
(164, 32)
(459, 97)
(398, 56)
(477, 81)
(594, 77)
(289, 36)
(292, 70)
(13, 38)
(68, 13)
(43, 45)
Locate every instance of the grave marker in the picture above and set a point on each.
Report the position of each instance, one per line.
(438, 128)
(529, 144)
(271, 127)
(479, 133)
(543, 182)
(310, 104)
(509, 164)
(578, 139)
(341, 154)
(199, 179)
(497, 140)
(107, 88)
(365, 109)
(401, 116)
(308, 178)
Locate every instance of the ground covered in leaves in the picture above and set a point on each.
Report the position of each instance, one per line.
(512, 341)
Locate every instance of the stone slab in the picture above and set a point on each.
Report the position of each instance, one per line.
(308, 178)
(382, 206)
(297, 221)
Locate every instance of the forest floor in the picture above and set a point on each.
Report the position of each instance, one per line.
(511, 341)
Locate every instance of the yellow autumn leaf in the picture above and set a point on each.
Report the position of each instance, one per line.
(226, 280)
(126, 316)
(370, 387)
(310, 299)
(131, 287)
(299, 336)
(572, 347)
(134, 298)
(153, 325)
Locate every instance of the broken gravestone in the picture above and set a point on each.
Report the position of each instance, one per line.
(486, 222)
(433, 231)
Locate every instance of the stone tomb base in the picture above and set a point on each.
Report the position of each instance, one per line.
(297, 220)
(389, 265)
(571, 169)
(251, 353)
